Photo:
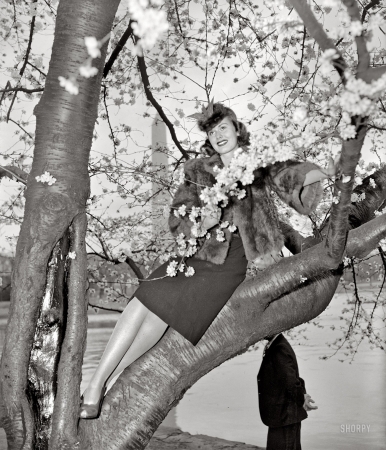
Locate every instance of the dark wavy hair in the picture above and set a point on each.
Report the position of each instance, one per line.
(219, 113)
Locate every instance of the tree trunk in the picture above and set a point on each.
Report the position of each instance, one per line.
(64, 128)
(149, 388)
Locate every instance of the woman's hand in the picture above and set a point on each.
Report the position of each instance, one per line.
(262, 262)
(212, 219)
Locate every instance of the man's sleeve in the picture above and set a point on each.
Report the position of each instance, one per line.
(287, 373)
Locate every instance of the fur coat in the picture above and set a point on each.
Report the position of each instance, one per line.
(255, 215)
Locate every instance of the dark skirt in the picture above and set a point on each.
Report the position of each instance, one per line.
(190, 304)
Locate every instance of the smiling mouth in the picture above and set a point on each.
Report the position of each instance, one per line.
(221, 143)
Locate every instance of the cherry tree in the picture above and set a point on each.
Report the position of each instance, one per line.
(304, 91)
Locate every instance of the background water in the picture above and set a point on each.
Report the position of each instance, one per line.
(224, 403)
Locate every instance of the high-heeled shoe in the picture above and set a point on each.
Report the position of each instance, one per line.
(92, 410)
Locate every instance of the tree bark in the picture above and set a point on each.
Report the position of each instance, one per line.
(149, 388)
(64, 128)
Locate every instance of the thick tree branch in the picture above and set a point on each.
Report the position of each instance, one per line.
(13, 172)
(133, 409)
(312, 261)
(153, 101)
(337, 231)
(65, 416)
(173, 365)
(114, 55)
(315, 29)
(363, 54)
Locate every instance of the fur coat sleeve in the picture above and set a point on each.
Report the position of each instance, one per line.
(187, 194)
(287, 178)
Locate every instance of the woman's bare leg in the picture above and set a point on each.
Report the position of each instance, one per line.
(150, 332)
(123, 336)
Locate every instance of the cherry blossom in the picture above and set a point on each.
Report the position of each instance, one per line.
(46, 178)
(69, 84)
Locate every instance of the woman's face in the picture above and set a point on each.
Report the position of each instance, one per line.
(223, 137)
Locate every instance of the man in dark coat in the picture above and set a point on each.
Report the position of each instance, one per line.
(283, 400)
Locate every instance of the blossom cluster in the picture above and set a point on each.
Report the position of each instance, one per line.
(69, 84)
(357, 197)
(357, 98)
(46, 178)
(265, 149)
(149, 22)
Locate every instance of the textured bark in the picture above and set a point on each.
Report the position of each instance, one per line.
(150, 387)
(42, 379)
(64, 127)
(65, 416)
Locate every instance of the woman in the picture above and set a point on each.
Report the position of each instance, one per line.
(220, 265)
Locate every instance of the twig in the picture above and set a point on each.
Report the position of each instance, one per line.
(10, 172)
(153, 101)
(118, 49)
(31, 33)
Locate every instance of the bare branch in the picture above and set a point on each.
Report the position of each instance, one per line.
(157, 106)
(363, 54)
(18, 124)
(367, 8)
(22, 89)
(36, 68)
(316, 30)
(13, 172)
(31, 33)
(118, 49)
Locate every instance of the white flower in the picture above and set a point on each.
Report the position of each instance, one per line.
(347, 132)
(88, 71)
(336, 198)
(93, 46)
(300, 114)
(357, 198)
(346, 261)
(71, 255)
(70, 85)
(356, 28)
(224, 224)
(148, 23)
(326, 59)
(189, 272)
(171, 269)
(181, 268)
(372, 183)
(346, 178)
(220, 235)
(46, 178)
(232, 228)
(382, 244)
(303, 279)
(182, 210)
